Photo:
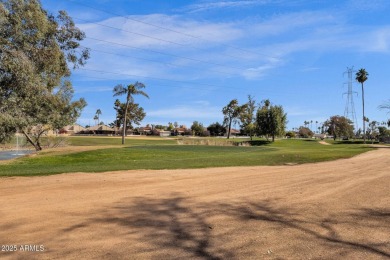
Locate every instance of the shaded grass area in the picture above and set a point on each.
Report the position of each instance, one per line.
(151, 154)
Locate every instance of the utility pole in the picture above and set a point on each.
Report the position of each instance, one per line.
(349, 111)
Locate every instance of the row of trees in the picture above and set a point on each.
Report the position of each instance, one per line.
(269, 120)
(335, 126)
(309, 124)
(342, 127)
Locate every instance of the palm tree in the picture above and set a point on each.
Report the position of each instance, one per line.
(129, 91)
(96, 118)
(361, 77)
(98, 113)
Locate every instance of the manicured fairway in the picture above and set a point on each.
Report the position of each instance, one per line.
(165, 154)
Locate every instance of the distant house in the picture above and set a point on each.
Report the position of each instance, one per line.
(71, 129)
(98, 130)
(320, 136)
(161, 132)
(129, 131)
(147, 130)
(181, 131)
(233, 132)
(165, 133)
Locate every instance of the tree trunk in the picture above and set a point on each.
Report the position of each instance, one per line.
(273, 138)
(124, 123)
(37, 146)
(364, 117)
(229, 128)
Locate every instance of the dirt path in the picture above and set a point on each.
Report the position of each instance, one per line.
(331, 210)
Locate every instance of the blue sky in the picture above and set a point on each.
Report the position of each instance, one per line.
(196, 56)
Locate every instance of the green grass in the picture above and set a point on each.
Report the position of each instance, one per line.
(165, 154)
(93, 141)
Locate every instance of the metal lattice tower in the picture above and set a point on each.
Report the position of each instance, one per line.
(349, 111)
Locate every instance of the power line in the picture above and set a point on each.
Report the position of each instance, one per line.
(155, 78)
(151, 37)
(156, 61)
(163, 53)
(215, 87)
(170, 86)
(139, 34)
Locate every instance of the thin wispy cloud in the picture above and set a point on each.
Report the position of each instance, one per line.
(368, 5)
(239, 4)
(205, 6)
(198, 111)
(118, 29)
(380, 40)
(81, 90)
(309, 69)
(287, 23)
(261, 71)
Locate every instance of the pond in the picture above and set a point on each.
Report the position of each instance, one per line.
(6, 155)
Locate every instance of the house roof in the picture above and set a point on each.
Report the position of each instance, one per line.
(180, 129)
(100, 128)
(75, 127)
(234, 131)
(146, 128)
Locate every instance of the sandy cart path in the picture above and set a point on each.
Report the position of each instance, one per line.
(330, 210)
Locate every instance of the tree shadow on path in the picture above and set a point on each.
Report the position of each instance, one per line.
(324, 230)
(178, 226)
